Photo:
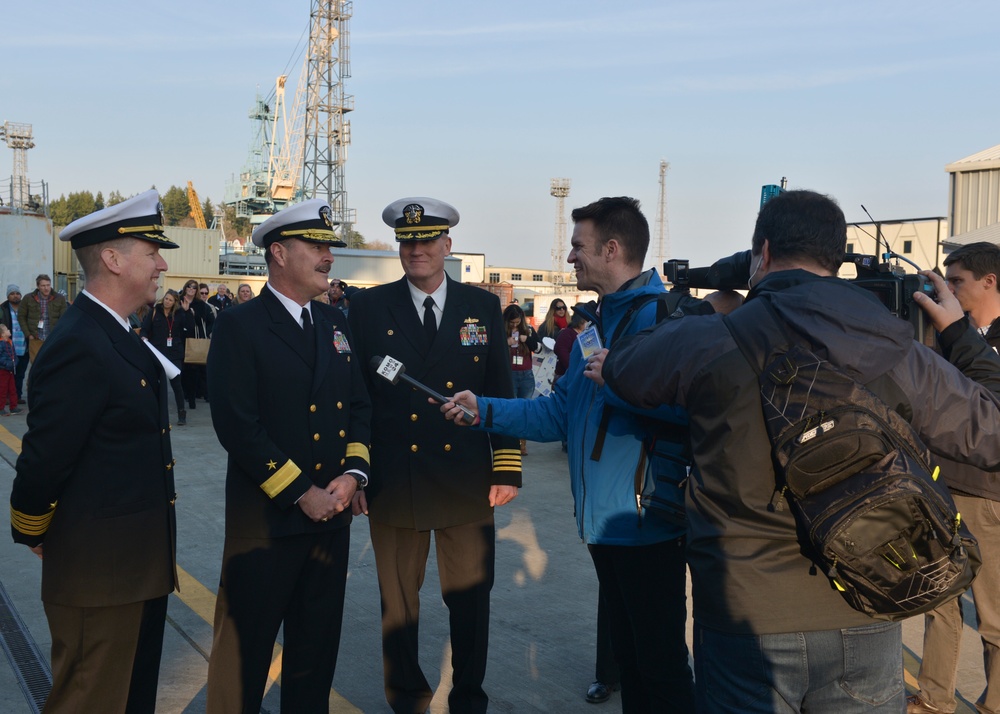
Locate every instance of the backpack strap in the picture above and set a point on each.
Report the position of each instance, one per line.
(754, 343)
(670, 304)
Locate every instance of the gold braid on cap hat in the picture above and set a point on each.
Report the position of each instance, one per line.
(422, 231)
(139, 229)
(311, 234)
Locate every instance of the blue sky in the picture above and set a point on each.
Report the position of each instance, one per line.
(481, 104)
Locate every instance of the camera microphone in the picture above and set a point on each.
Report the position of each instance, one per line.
(392, 370)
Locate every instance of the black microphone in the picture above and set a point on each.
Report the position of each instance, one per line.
(392, 370)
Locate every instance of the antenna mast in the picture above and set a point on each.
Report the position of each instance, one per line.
(559, 187)
(19, 139)
(327, 133)
(662, 229)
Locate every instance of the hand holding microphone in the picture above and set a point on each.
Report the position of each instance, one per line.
(392, 370)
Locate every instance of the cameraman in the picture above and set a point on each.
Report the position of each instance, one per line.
(972, 273)
(771, 634)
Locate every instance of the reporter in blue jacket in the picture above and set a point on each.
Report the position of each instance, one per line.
(638, 554)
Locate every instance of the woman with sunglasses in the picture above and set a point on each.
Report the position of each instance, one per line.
(556, 319)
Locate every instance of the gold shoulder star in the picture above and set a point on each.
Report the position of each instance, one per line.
(271, 465)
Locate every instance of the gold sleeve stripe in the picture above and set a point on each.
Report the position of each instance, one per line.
(358, 449)
(507, 460)
(281, 479)
(30, 525)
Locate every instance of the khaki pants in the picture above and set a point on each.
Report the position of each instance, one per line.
(34, 344)
(943, 627)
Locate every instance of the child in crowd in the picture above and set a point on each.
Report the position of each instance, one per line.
(8, 361)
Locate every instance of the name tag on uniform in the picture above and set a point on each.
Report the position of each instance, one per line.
(340, 342)
(170, 342)
(590, 342)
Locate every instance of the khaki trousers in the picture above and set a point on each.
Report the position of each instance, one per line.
(34, 344)
(943, 627)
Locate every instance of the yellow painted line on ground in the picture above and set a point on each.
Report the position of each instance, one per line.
(10, 440)
(196, 596)
(201, 601)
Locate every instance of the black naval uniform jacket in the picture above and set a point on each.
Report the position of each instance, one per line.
(289, 417)
(427, 472)
(95, 478)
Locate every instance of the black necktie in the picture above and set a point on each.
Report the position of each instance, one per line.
(430, 322)
(307, 327)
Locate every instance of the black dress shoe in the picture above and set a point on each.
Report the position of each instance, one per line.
(599, 692)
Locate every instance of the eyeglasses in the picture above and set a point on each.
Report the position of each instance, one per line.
(204, 292)
(560, 307)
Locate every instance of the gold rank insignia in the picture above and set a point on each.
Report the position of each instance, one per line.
(271, 465)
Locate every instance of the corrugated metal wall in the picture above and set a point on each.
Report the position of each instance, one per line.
(198, 253)
(974, 199)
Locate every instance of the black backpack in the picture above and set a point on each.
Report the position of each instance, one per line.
(869, 508)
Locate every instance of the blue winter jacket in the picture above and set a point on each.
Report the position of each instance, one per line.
(8, 358)
(604, 490)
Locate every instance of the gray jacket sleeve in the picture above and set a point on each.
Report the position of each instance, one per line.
(955, 416)
(658, 365)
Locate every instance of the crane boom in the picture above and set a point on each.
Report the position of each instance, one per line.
(196, 213)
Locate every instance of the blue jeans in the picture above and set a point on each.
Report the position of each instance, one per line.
(859, 669)
(524, 383)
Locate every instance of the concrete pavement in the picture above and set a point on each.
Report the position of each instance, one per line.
(543, 609)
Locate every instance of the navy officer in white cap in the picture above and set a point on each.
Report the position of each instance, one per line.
(428, 475)
(289, 405)
(94, 491)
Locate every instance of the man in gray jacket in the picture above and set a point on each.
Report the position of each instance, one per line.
(771, 634)
(973, 275)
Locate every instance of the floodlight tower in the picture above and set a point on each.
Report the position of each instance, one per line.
(327, 133)
(559, 187)
(18, 138)
(662, 229)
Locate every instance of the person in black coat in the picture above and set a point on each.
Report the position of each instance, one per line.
(94, 491)
(427, 474)
(194, 376)
(166, 326)
(220, 301)
(289, 406)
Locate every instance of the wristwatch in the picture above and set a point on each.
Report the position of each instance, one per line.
(361, 478)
